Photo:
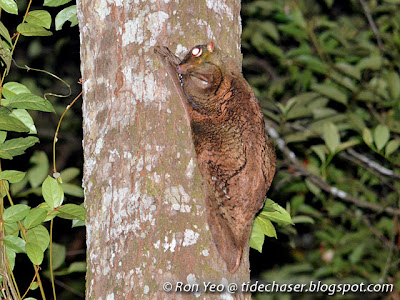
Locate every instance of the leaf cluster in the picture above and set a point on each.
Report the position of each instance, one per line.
(329, 85)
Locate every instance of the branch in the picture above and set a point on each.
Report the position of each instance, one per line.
(321, 183)
(372, 164)
(263, 64)
(384, 240)
(372, 24)
(360, 159)
(390, 256)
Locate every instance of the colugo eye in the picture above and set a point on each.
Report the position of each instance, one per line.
(196, 52)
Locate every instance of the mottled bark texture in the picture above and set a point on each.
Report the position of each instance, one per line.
(146, 220)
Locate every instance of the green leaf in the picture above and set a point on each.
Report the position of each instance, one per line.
(312, 63)
(77, 266)
(54, 3)
(15, 243)
(276, 213)
(349, 70)
(372, 62)
(293, 30)
(73, 190)
(312, 187)
(320, 151)
(27, 29)
(392, 146)
(367, 96)
(3, 136)
(67, 14)
(51, 212)
(9, 6)
(70, 173)
(52, 192)
(297, 17)
(18, 146)
(71, 212)
(348, 144)
(77, 223)
(40, 170)
(357, 254)
(10, 257)
(381, 136)
(74, 21)
(367, 136)
(24, 117)
(11, 228)
(40, 236)
(10, 123)
(331, 136)
(39, 18)
(34, 253)
(303, 219)
(59, 253)
(35, 217)
(269, 28)
(263, 45)
(343, 81)
(30, 101)
(267, 227)
(282, 108)
(19, 186)
(4, 33)
(298, 111)
(5, 155)
(393, 80)
(12, 176)
(330, 92)
(11, 89)
(16, 213)
(257, 236)
(5, 56)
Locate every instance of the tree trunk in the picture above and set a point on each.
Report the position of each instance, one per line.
(146, 220)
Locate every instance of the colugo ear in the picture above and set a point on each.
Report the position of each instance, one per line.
(210, 47)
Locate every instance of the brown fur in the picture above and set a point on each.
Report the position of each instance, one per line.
(234, 155)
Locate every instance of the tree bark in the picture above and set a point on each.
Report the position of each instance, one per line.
(146, 220)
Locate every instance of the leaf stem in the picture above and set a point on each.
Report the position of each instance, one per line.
(33, 280)
(51, 260)
(58, 128)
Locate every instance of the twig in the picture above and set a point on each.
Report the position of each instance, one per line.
(68, 288)
(360, 159)
(319, 181)
(382, 178)
(58, 128)
(372, 24)
(390, 256)
(260, 63)
(376, 232)
(372, 164)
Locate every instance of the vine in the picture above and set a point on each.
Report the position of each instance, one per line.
(22, 229)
